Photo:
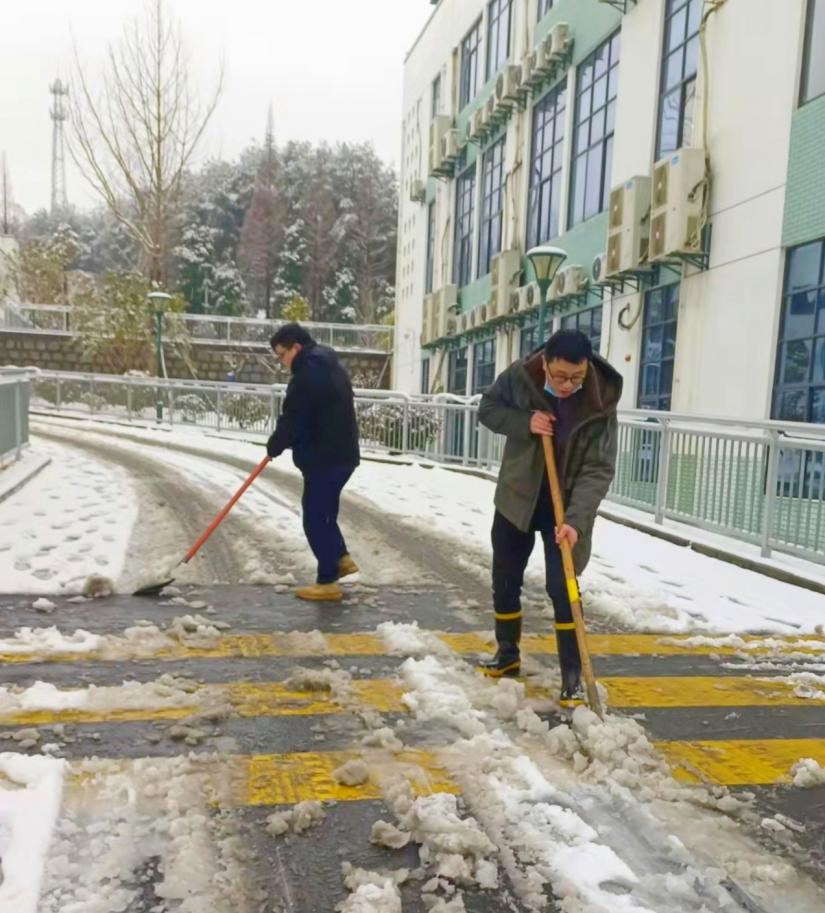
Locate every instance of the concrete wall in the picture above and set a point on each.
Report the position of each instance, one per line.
(729, 314)
(63, 353)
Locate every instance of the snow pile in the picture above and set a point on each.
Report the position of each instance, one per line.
(438, 693)
(30, 793)
(301, 817)
(49, 641)
(372, 892)
(807, 773)
(408, 639)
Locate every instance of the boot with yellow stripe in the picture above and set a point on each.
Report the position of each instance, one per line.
(572, 693)
(507, 660)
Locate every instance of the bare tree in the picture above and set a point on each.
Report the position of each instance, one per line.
(134, 140)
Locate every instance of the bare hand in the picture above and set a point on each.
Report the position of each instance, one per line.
(567, 532)
(542, 423)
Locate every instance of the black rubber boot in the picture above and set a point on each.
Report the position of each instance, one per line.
(505, 664)
(572, 694)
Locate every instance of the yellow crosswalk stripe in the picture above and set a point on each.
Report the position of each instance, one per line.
(233, 646)
(268, 699)
(279, 779)
(744, 762)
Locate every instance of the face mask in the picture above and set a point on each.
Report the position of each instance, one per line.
(552, 392)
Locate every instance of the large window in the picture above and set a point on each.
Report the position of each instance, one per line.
(799, 388)
(425, 375)
(589, 322)
(658, 347)
(484, 365)
(545, 6)
(545, 168)
(528, 339)
(499, 20)
(465, 191)
(457, 371)
(492, 200)
(679, 64)
(813, 67)
(593, 136)
(430, 262)
(470, 50)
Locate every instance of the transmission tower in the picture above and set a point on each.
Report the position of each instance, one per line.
(60, 201)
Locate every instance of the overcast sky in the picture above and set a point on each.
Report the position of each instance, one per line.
(331, 69)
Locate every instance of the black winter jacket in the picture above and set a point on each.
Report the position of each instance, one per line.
(318, 417)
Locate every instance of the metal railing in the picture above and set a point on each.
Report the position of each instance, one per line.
(760, 482)
(56, 320)
(14, 413)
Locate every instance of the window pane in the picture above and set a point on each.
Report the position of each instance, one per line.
(653, 344)
(799, 320)
(676, 29)
(674, 68)
(813, 76)
(691, 57)
(797, 361)
(650, 380)
(818, 406)
(669, 119)
(694, 16)
(819, 362)
(593, 191)
(820, 320)
(791, 406)
(804, 266)
(686, 137)
(653, 307)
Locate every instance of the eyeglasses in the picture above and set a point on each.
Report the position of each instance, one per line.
(559, 379)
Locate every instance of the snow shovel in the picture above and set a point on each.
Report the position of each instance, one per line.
(152, 589)
(593, 699)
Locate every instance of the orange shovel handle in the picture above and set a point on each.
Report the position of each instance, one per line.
(232, 502)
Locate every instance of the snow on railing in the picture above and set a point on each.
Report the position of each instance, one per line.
(758, 481)
(56, 319)
(14, 413)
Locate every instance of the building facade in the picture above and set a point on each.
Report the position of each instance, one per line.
(674, 149)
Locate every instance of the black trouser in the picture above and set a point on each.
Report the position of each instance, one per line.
(320, 502)
(511, 552)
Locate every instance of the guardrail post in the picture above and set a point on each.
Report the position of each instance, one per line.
(171, 406)
(218, 408)
(663, 473)
(18, 420)
(405, 427)
(465, 455)
(57, 396)
(129, 401)
(271, 411)
(769, 505)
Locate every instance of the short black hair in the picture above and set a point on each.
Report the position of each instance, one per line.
(289, 334)
(569, 345)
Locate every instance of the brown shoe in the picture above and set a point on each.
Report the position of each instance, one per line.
(346, 566)
(320, 592)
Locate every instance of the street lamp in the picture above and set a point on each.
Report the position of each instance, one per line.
(546, 261)
(158, 300)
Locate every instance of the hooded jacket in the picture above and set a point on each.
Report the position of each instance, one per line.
(589, 461)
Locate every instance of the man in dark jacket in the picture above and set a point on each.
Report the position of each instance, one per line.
(567, 392)
(318, 422)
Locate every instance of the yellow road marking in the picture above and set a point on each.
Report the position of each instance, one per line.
(269, 699)
(278, 779)
(742, 762)
(233, 646)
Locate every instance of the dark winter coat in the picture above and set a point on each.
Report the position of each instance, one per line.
(589, 459)
(318, 416)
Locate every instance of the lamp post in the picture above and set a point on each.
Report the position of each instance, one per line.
(158, 300)
(545, 261)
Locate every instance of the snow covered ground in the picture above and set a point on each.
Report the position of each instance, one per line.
(643, 582)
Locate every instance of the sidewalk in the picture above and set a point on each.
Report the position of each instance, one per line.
(14, 476)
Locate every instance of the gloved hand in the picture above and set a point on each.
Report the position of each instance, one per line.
(273, 447)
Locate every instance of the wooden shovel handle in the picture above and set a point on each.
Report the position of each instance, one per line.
(570, 576)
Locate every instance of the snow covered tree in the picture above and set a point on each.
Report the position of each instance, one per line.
(44, 264)
(134, 141)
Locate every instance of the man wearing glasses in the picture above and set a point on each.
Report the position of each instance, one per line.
(318, 422)
(567, 392)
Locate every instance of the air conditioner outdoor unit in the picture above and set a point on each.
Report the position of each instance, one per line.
(561, 40)
(545, 62)
(492, 110)
(571, 280)
(676, 205)
(447, 306)
(508, 84)
(480, 122)
(465, 321)
(426, 319)
(439, 125)
(598, 271)
(529, 297)
(449, 146)
(628, 227)
(480, 315)
(515, 301)
(529, 77)
(418, 191)
(505, 268)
